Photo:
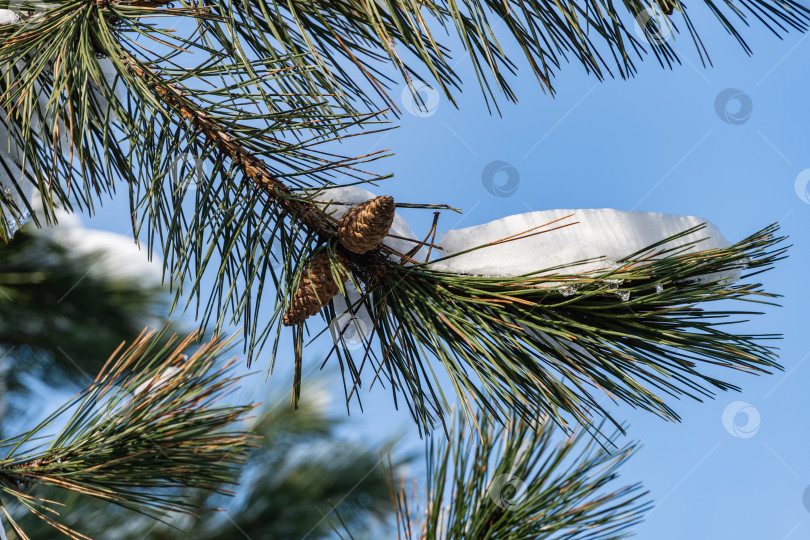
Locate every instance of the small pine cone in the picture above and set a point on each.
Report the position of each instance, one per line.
(315, 289)
(362, 228)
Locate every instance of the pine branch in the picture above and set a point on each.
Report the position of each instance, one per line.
(519, 482)
(288, 213)
(635, 334)
(302, 470)
(663, 341)
(162, 429)
(353, 40)
(52, 299)
(251, 166)
(66, 119)
(62, 313)
(173, 130)
(509, 343)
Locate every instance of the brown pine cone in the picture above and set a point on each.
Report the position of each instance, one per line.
(315, 289)
(362, 228)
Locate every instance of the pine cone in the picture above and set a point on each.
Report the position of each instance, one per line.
(362, 228)
(315, 289)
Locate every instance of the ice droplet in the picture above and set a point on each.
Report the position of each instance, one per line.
(624, 295)
(569, 290)
(659, 288)
(14, 223)
(14, 220)
(12, 227)
(613, 283)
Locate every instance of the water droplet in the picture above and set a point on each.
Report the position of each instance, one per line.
(613, 283)
(659, 288)
(14, 223)
(14, 209)
(569, 290)
(12, 227)
(624, 295)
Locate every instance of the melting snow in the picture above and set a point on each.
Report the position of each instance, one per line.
(606, 234)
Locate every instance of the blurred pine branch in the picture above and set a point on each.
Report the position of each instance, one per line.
(153, 422)
(519, 482)
(298, 479)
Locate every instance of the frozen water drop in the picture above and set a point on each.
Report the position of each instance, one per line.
(12, 227)
(14, 223)
(569, 290)
(659, 288)
(24, 217)
(613, 283)
(624, 295)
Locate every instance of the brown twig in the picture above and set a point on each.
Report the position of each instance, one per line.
(252, 166)
(18, 480)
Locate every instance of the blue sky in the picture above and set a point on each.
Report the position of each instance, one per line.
(657, 143)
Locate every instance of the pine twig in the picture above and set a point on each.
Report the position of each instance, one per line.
(519, 482)
(150, 424)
